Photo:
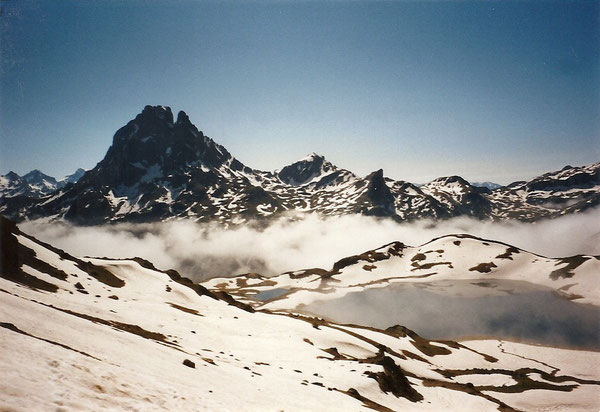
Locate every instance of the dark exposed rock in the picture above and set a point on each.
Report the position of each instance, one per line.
(189, 363)
(571, 263)
(418, 257)
(371, 256)
(15, 255)
(302, 171)
(483, 267)
(576, 180)
(392, 379)
(379, 198)
(508, 254)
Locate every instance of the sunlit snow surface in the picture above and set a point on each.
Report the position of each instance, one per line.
(92, 346)
(452, 257)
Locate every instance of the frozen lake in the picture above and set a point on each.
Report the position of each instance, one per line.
(459, 309)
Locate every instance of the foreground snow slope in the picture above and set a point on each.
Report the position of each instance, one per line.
(449, 257)
(118, 334)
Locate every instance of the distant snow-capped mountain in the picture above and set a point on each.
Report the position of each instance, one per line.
(159, 168)
(72, 178)
(34, 184)
(489, 185)
(76, 332)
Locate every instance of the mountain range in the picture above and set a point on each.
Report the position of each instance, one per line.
(161, 168)
(34, 184)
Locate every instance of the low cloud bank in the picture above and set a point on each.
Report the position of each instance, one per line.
(202, 251)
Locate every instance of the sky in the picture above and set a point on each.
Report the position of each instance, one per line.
(488, 90)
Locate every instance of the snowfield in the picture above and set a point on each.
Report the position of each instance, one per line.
(121, 335)
(451, 257)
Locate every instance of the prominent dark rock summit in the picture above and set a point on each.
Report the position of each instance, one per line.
(159, 168)
(153, 146)
(304, 170)
(378, 195)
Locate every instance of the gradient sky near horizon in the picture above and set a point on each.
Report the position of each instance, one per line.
(488, 90)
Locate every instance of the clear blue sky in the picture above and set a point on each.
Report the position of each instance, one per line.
(488, 90)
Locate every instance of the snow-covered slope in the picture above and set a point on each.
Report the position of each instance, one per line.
(489, 185)
(72, 178)
(34, 184)
(451, 257)
(92, 334)
(569, 190)
(160, 168)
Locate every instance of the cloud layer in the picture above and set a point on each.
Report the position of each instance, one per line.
(202, 251)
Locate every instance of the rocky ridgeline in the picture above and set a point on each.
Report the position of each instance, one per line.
(159, 168)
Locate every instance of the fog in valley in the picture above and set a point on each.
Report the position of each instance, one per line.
(202, 250)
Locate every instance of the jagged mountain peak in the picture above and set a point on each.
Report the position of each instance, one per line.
(183, 118)
(33, 172)
(163, 114)
(449, 180)
(74, 177)
(34, 184)
(378, 196)
(152, 141)
(156, 122)
(36, 173)
(12, 175)
(377, 175)
(156, 112)
(311, 157)
(37, 177)
(306, 170)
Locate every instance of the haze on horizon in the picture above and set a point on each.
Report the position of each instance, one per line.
(498, 91)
